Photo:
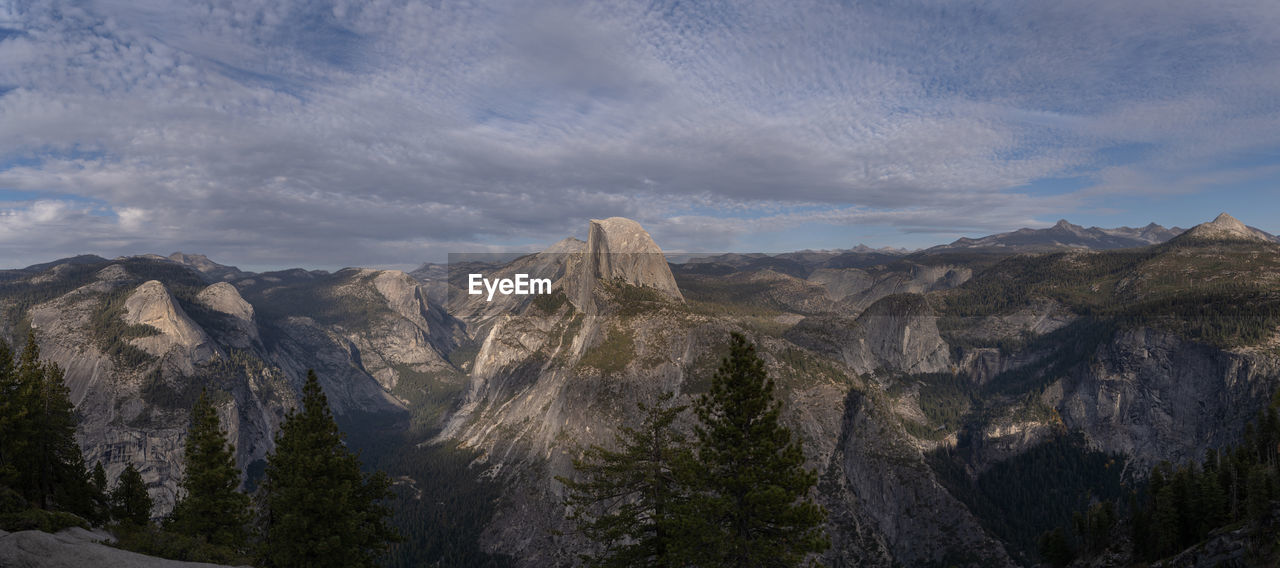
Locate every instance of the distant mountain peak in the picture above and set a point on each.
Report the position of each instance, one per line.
(620, 249)
(1224, 227)
(1226, 218)
(1065, 235)
(210, 269)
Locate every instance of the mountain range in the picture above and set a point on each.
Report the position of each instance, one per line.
(915, 380)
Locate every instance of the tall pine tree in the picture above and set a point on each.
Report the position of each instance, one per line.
(14, 398)
(130, 502)
(100, 494)
(319, 509)
(211, 507)
(50, 467)
(627, 498)
(753, 508)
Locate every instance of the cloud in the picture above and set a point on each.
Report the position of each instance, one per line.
(376, 133)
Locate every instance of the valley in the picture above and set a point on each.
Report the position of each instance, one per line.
(957, 402)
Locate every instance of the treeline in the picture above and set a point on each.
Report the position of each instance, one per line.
(315, 507)
(735, 495)
(1182, 505)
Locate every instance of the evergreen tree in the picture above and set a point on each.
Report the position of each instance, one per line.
(130, 502)
(14, 399)
(100, 493)
(211, 507)
(627, 498)
(319, 509)
(51, 471)
(753, 508)
(99, 478)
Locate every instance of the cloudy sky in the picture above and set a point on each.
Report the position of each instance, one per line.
(273, 133)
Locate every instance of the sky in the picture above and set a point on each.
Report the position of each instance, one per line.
(280, 133)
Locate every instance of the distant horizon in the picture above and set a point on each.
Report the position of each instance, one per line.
(683, 256)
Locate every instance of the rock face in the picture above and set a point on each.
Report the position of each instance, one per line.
(250, 342)
(151, 305)
(891, 488)
(620, 249)
(854, 289)
(897, 334)
(1155, 396)
(224, 298)
(75, 548)
(1225, 228)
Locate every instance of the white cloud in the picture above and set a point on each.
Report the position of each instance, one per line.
(379, 132)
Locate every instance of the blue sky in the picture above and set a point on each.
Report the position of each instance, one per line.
(387, 133)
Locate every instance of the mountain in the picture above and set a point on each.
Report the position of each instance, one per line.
(209, 268)
(1064, 235)
(936, 392)
(139, 337)
(551, 378)
(912, 382)
(1225, 228)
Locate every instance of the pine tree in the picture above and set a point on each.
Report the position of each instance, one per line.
(100, 494)
(627, 498)
(14, 397)
(51, 471)
(319, 509)
(211, 508)
(753, 508)
(130, 502)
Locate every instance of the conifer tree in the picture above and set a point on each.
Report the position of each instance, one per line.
(130, 502)
(319, 509)
(211, 508)
(753, 508)
(100, 494)
(13, 413)
(50, 466)
(627, 499)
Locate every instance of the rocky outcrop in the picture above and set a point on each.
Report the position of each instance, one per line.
(417, 338)
(223, 298)
(856, 289)
(151, 304)
(894, 490)
(76, 548)
(621, 250)
(134, 408)
(898, 334)
(1156, 396)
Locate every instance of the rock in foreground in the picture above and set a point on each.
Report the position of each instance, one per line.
(75, 548)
